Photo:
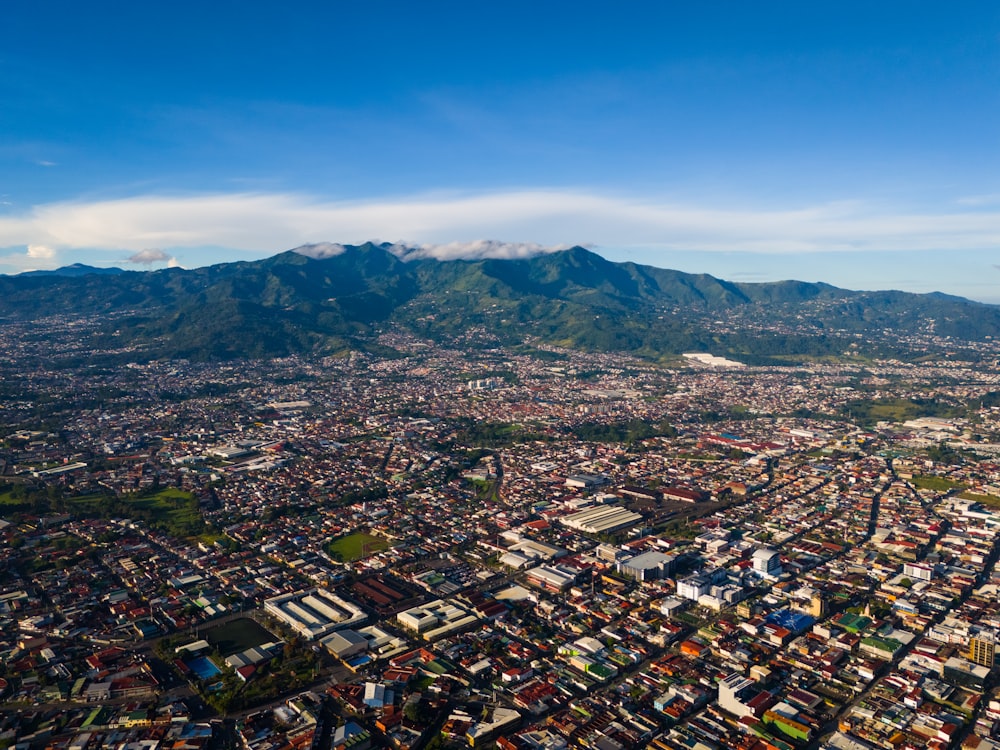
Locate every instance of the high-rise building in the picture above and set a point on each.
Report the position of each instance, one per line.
(982, 648)
(817, 605)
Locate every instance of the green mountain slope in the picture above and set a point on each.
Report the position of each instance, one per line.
(291, 303)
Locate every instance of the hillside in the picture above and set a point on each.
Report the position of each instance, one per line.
(291, 303)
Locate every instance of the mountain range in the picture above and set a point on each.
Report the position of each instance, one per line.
(295, 304)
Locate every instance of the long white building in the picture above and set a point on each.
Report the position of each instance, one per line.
(314, 612)
(602, 519)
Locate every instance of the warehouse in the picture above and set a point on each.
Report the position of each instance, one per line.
(314, 612)
(602, 520)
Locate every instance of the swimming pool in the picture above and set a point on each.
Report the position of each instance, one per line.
(204, 668)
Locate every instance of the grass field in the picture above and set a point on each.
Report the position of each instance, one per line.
(170, 509)
(988, 500)
(896, 410)
(355, 547)
(175, 511)
(238, 635)
(938, 484)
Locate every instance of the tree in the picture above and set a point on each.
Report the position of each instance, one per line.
(417, 711)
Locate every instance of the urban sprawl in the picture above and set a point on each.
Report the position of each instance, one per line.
(529, 549)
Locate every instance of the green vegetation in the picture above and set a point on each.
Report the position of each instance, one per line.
(990, 501)
(7, 499)
(631, 431)
(937, 484)
(496, 434)
(291, 304)
(943, 453)
(897, 410)
(486, 489)
(292, 669)
(355, 547)
(505, 375)
(171, 510)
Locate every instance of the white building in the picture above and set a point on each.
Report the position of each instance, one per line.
(314, 612)
(767, 562)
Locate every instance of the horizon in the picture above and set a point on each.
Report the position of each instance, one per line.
(834, 143)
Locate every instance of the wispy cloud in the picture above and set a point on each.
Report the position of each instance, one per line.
(320, 250)
(988, 199)
(444, 225)
(475, 250)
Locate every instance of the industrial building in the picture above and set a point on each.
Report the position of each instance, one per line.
(436, 619)
(314, 612)
(602, 520)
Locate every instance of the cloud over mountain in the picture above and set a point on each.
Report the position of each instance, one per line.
(475, 250)
(319, 250)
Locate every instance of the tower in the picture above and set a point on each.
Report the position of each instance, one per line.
(982, 648)
(817, 605)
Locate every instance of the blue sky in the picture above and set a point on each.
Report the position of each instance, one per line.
(853, 143)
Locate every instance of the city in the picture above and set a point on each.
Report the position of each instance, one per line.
(473, 545)
(521, 376)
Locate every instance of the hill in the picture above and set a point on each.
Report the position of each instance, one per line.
(294, 304)
(77, 269)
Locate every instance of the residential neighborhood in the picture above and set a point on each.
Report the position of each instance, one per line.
(484, 547)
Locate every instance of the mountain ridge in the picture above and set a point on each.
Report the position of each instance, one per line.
(290, 303)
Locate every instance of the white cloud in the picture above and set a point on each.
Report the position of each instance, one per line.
(41, 252)
(149, 256)
(34, 258)
(442, 225)
(474, 250)
(320, 250)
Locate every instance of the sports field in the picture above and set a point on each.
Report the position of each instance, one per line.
(355, 547)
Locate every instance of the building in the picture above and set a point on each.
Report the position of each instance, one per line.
(696, 585)
(685, 494)
(586, 481)
(610, 553)
(734, 691)
(604, 519)
(498, 720)
(982, 648)
(314, 612)
(649, 566)
(918, 572)
(767, 562)
(817, 605)
(436, 619)
(553, 577)
(345, 643)
(965, 674)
